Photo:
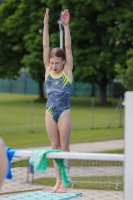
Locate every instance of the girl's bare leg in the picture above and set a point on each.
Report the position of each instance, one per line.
(53, 134)
(59, 135)
(64, 127)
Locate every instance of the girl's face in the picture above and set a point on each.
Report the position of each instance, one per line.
(56, 64)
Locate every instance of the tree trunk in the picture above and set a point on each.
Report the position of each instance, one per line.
(41, 91)
(102, 87)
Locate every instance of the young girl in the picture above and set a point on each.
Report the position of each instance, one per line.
(58, 78)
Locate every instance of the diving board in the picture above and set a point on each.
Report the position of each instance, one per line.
(39, 195)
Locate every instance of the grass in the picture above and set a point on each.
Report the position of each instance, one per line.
(25, 138)
(22, 121)
(118, 151)
(104, 183)
(22, 124)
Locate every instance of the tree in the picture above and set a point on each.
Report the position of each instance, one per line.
(10, 51)
(21, 37)
(101, 35)
(99, 39)
(126, 74)
(33, 39)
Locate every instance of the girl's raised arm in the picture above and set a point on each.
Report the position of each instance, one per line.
(65, 17)
(46, 48)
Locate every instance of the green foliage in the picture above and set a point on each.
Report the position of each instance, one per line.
(11, 52)
(21, 36)
(126, 74)
(101, 35)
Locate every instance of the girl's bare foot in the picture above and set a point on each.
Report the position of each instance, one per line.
(62, 189)
(56, 187)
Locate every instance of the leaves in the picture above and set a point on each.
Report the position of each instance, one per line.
(126, 74)
(101, 34)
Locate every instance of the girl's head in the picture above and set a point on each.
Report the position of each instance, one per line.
(58, 52)
(57, 59)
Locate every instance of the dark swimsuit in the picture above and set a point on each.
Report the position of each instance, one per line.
(58, 93)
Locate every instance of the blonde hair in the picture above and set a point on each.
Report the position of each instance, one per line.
(58, 52)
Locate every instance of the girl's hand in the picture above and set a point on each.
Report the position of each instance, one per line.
(65, 17)
(46, 16)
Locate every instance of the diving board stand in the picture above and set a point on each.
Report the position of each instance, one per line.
(128, 145)
(39, 195)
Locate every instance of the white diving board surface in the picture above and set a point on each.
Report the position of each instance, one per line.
(39, 195)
